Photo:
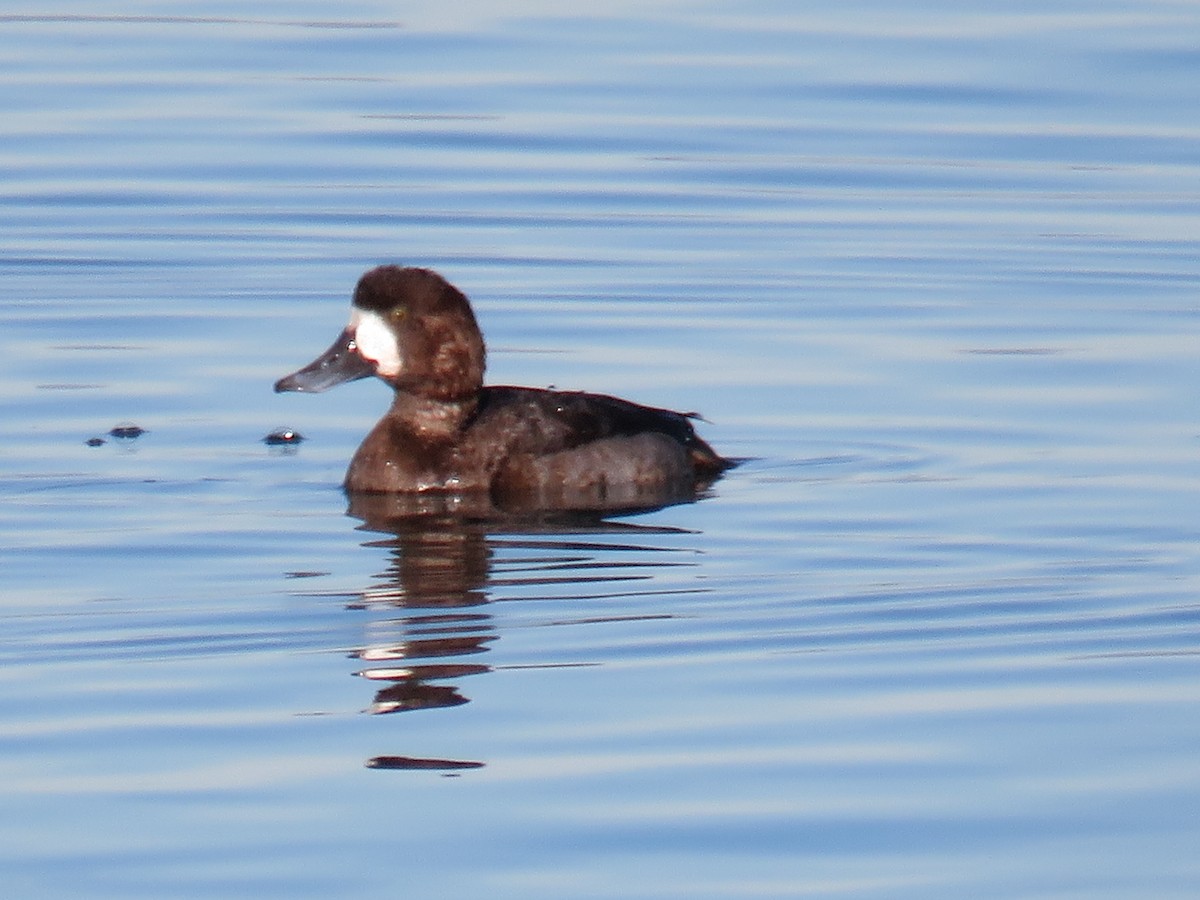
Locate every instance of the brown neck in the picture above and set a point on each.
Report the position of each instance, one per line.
(430, 420)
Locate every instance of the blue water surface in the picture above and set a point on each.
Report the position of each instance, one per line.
(930, 269)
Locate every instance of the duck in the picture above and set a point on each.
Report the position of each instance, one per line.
(446, 432)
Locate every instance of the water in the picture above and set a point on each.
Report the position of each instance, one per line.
(931, 269)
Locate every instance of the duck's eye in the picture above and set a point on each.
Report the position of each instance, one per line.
(399, 314)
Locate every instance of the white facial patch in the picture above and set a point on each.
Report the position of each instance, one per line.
(376, 342)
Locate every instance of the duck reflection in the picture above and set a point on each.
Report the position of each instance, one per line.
(449, 554)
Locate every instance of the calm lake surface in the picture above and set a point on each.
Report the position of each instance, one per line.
(932, 269)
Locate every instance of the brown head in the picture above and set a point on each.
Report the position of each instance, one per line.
(411, 328)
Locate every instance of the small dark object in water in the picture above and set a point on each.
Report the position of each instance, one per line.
(283, 436)
(127, 431)
(96, 442)
(413, 763)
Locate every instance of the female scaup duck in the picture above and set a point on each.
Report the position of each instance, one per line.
(446, 432)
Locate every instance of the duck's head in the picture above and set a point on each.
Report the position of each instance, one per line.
(409, 327)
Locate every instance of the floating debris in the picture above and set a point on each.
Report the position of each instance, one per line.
(95, 442)
(283, 437)
(414, 763)
(127, 431)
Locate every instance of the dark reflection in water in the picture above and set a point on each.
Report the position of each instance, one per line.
(413, 762)
(443, 569)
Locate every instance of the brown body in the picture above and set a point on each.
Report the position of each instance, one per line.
(512, 440)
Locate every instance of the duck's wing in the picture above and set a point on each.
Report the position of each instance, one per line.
(550, 421)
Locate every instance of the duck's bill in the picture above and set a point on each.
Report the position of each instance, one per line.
(340, 363)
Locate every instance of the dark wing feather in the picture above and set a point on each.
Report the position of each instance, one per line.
(549, 421)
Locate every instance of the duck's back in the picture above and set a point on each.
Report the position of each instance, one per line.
(579, 441)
